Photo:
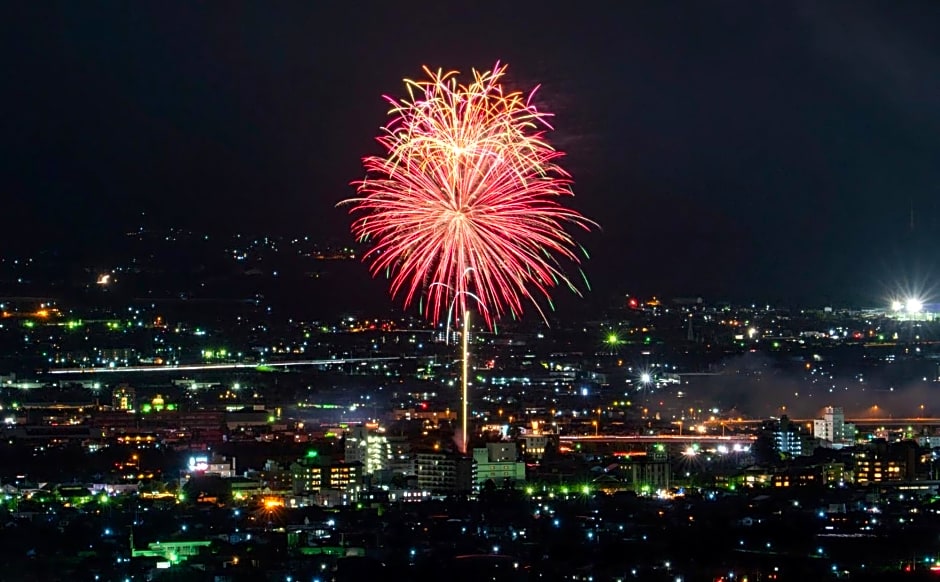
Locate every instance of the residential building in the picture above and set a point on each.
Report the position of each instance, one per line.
(315, 473)
(498, 462)
(442, 472)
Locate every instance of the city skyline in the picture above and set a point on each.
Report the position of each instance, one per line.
(718, 361)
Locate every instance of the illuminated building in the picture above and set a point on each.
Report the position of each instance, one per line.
(833, 473)
(831, 429)
(73, 495)
(534, 445)
(403, 460)
(498, 462)
(445, 472)
(314, 473)
(124, 397)
(369, 448)
(879, 462)
(174, 427)
(172, 552)
(790, 440)
(208, 466)
(435, 416)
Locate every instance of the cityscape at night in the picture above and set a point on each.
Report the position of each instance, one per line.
(423, 292)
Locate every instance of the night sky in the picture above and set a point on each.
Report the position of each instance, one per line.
(731, 149)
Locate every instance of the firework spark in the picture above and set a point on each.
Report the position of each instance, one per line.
(464, 205)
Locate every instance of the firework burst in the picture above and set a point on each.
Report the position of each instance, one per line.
(465, 204)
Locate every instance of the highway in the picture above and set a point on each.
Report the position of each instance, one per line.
(664, 438)
(871, 421)
(222, 366)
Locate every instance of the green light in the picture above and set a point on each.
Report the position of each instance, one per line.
(104, 499)
(146, 408)
(564, 491)
(586, 489)
(29, 323)
(171, 407)
(271, 419)
(529, 490)
(311, 454)
(612, 339)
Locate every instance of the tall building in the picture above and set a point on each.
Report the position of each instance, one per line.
(830, 429)
(652, 472)
(369, 447)
(790, 440)
(403, 460)
(441, 472)
(498, 462)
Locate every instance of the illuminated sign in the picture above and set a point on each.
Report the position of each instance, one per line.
(198, 463)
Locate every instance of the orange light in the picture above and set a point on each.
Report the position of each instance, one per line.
(271, 503)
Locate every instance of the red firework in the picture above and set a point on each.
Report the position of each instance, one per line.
(465, 204)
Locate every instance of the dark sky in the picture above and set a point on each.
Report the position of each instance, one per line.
(772, 149)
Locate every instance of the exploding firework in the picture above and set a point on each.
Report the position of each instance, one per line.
(465, 204)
